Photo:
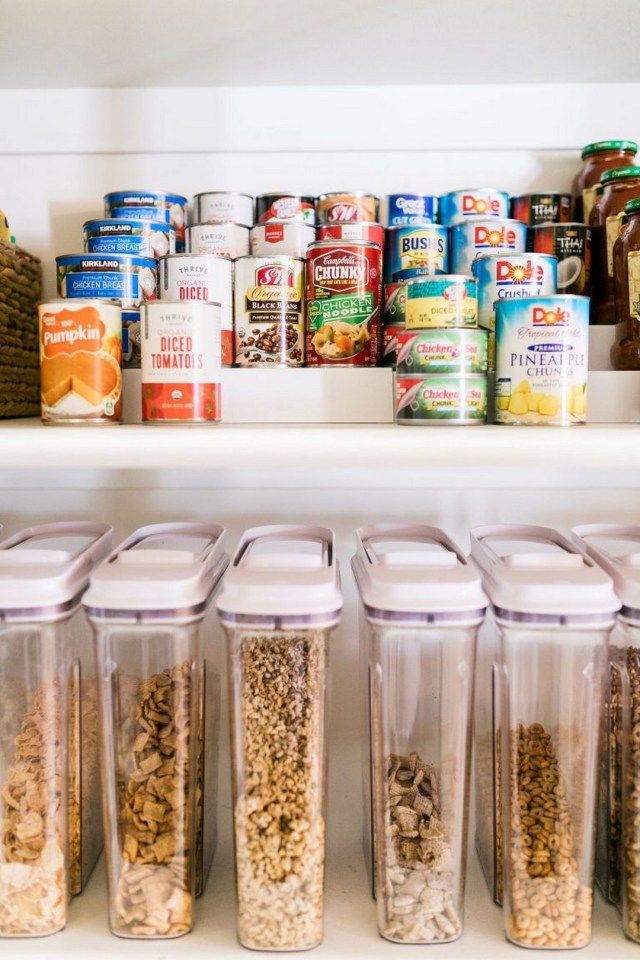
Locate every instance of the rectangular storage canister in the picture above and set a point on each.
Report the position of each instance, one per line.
(49, 782)
(150, 605)
(421, 606)
(539, 680)
(280, 600)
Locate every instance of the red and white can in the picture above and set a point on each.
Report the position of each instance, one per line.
(223, 206)
(353, 230)
(225, 239)
(181, 362)
(345, 206)
(288, 237)
(190, 277)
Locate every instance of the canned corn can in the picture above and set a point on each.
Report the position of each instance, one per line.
(441, 351)
(484, 235)
(542, 346)
(570, 243)
(223, 239)
(394, 304)
(165, 204)
(536, 208)
(415, 251)
(445, 400)
(390, 334)
(365, 230)
(285, 206)
(142, 238)
(223, 206)
(289, 237)
(345, 206)
(269, 311)
(478, 202)
(409, 209)
(447, 300)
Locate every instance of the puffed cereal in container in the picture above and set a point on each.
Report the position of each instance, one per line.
(448, 300)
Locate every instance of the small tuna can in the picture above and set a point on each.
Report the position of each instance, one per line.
(394, 304)
(141, 238)
(290, 238)
(478, 202)
(204, 277)
(345, 206)
(444, 400)
(542, 350)
(390, 334)
(456, 351)
(448, 300)
(222, 239)
(409, 209)
(172, 204)
(269, 311)
(570, 243)
(536, 208)
(181, 356)
(484, 235)
(223, 206)
(285, 206)
(365, 230)
(416, 251)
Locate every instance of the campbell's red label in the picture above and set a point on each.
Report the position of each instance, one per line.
(340, 270)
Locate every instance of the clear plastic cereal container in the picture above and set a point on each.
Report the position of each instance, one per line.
(552, 611)
(421, 605)
(150, 604)
(280, 601)
(49, 772)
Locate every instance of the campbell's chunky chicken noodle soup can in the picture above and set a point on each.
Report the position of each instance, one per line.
(570, 244)
(365, 230)
(134, 203)
(441, 351)
(220, 206)
(142, 238)
(477, 202)
(447, 300)
(343, 293)
(409, 209)
(415, 251)
(343, 206)
(224, 239)
(269, 311)
(290, 238)
(536, 208)
(80, 356)
(441, 399)
(285, 206)
(205, 276)
(542, 346)
(480, 235)
(181, 362)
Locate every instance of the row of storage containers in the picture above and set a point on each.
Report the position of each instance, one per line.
(525, 621)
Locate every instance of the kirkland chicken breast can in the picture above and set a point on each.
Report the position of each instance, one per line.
(143, 238)
(171, 204)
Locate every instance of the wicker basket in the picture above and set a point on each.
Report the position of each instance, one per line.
(20, 290)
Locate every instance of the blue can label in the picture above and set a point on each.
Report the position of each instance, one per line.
(146, 238)
(127, 278)
(484, 235)
(162, 214)
(424, 249)
(482, 202)
(411, 209)
(512, 277)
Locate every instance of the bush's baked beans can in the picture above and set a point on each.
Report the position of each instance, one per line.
(288, 237)
(133, 203)
(415, 251)
(476, 202)
(570, 243)
(223, 239)
(535, 208)
(343, 206)
(285, 206)
(192, 277)
(343, 303)
(409, 209)
(269, 311)
(220, 206)
(484, 235)
(365, 230)
(180, 362)
(141, 238)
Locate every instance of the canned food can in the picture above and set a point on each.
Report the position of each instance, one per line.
(570, 243)
(536, 208)
(80, 356)
(269, 311)
(141, 238)
(441, 351)
(477, 202)
(448, 300)
(445, 400)
(409, 209)
(390, 334)
(285, 206)
(121, 276)
(222, 239)
(394, 304)
(484, 235)
(288, 237)
(542, 347)
(343, 303)
(205, 276)
(365, 230)
(223, 206)
(344, 206)
(414, 251)
(173, 205)
(180, 362)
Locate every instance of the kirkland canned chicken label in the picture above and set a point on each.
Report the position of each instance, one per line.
(482, 235)
(394, 304)
(154, 214)
(220, 206)
(269, 312)
(285, 206)
(365, 230)
(343, 304)
(80, 356)
(411, 251)
(536, 208)
(135, 201)
(441, 351)
(142, 238)
(441, 399)
(445, 301)
(479, 202)
(542, 360)
(121, 276)
(409, 209)
(570, 243)
(390, 334)
(206, 276)
(341, 207)
(288, 237)
(223, 239)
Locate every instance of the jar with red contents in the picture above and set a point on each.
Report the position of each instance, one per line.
(619, 186)
(625, 353)
(598, 157)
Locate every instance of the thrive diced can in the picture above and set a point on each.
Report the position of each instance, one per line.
(441, 351)
(343, 206)
(390, 334)
(180, 362)
(223, 206)
(365, 230)
(142, 238)
(80, 356)
(394, 303)
(136, 201)
(412, 251)
(478, 202)
(484, 235)
(285, 206)
(409, 209)
(445, 400)
(542, 348)
(570, 243)
(206, 276)
(535, 208)
(447, 300)
(269, 311)
(223, 239)
(343, 303)
(288, 237)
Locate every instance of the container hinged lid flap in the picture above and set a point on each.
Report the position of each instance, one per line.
(616, 548)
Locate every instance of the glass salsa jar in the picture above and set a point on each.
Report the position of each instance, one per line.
(598, 157)
(625, 353)
(620, 186)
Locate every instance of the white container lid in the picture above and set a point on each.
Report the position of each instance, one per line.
(537, 575)
(163, 572)
(283, 576)
(415, 574)
(45, 569)
(616, 548)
